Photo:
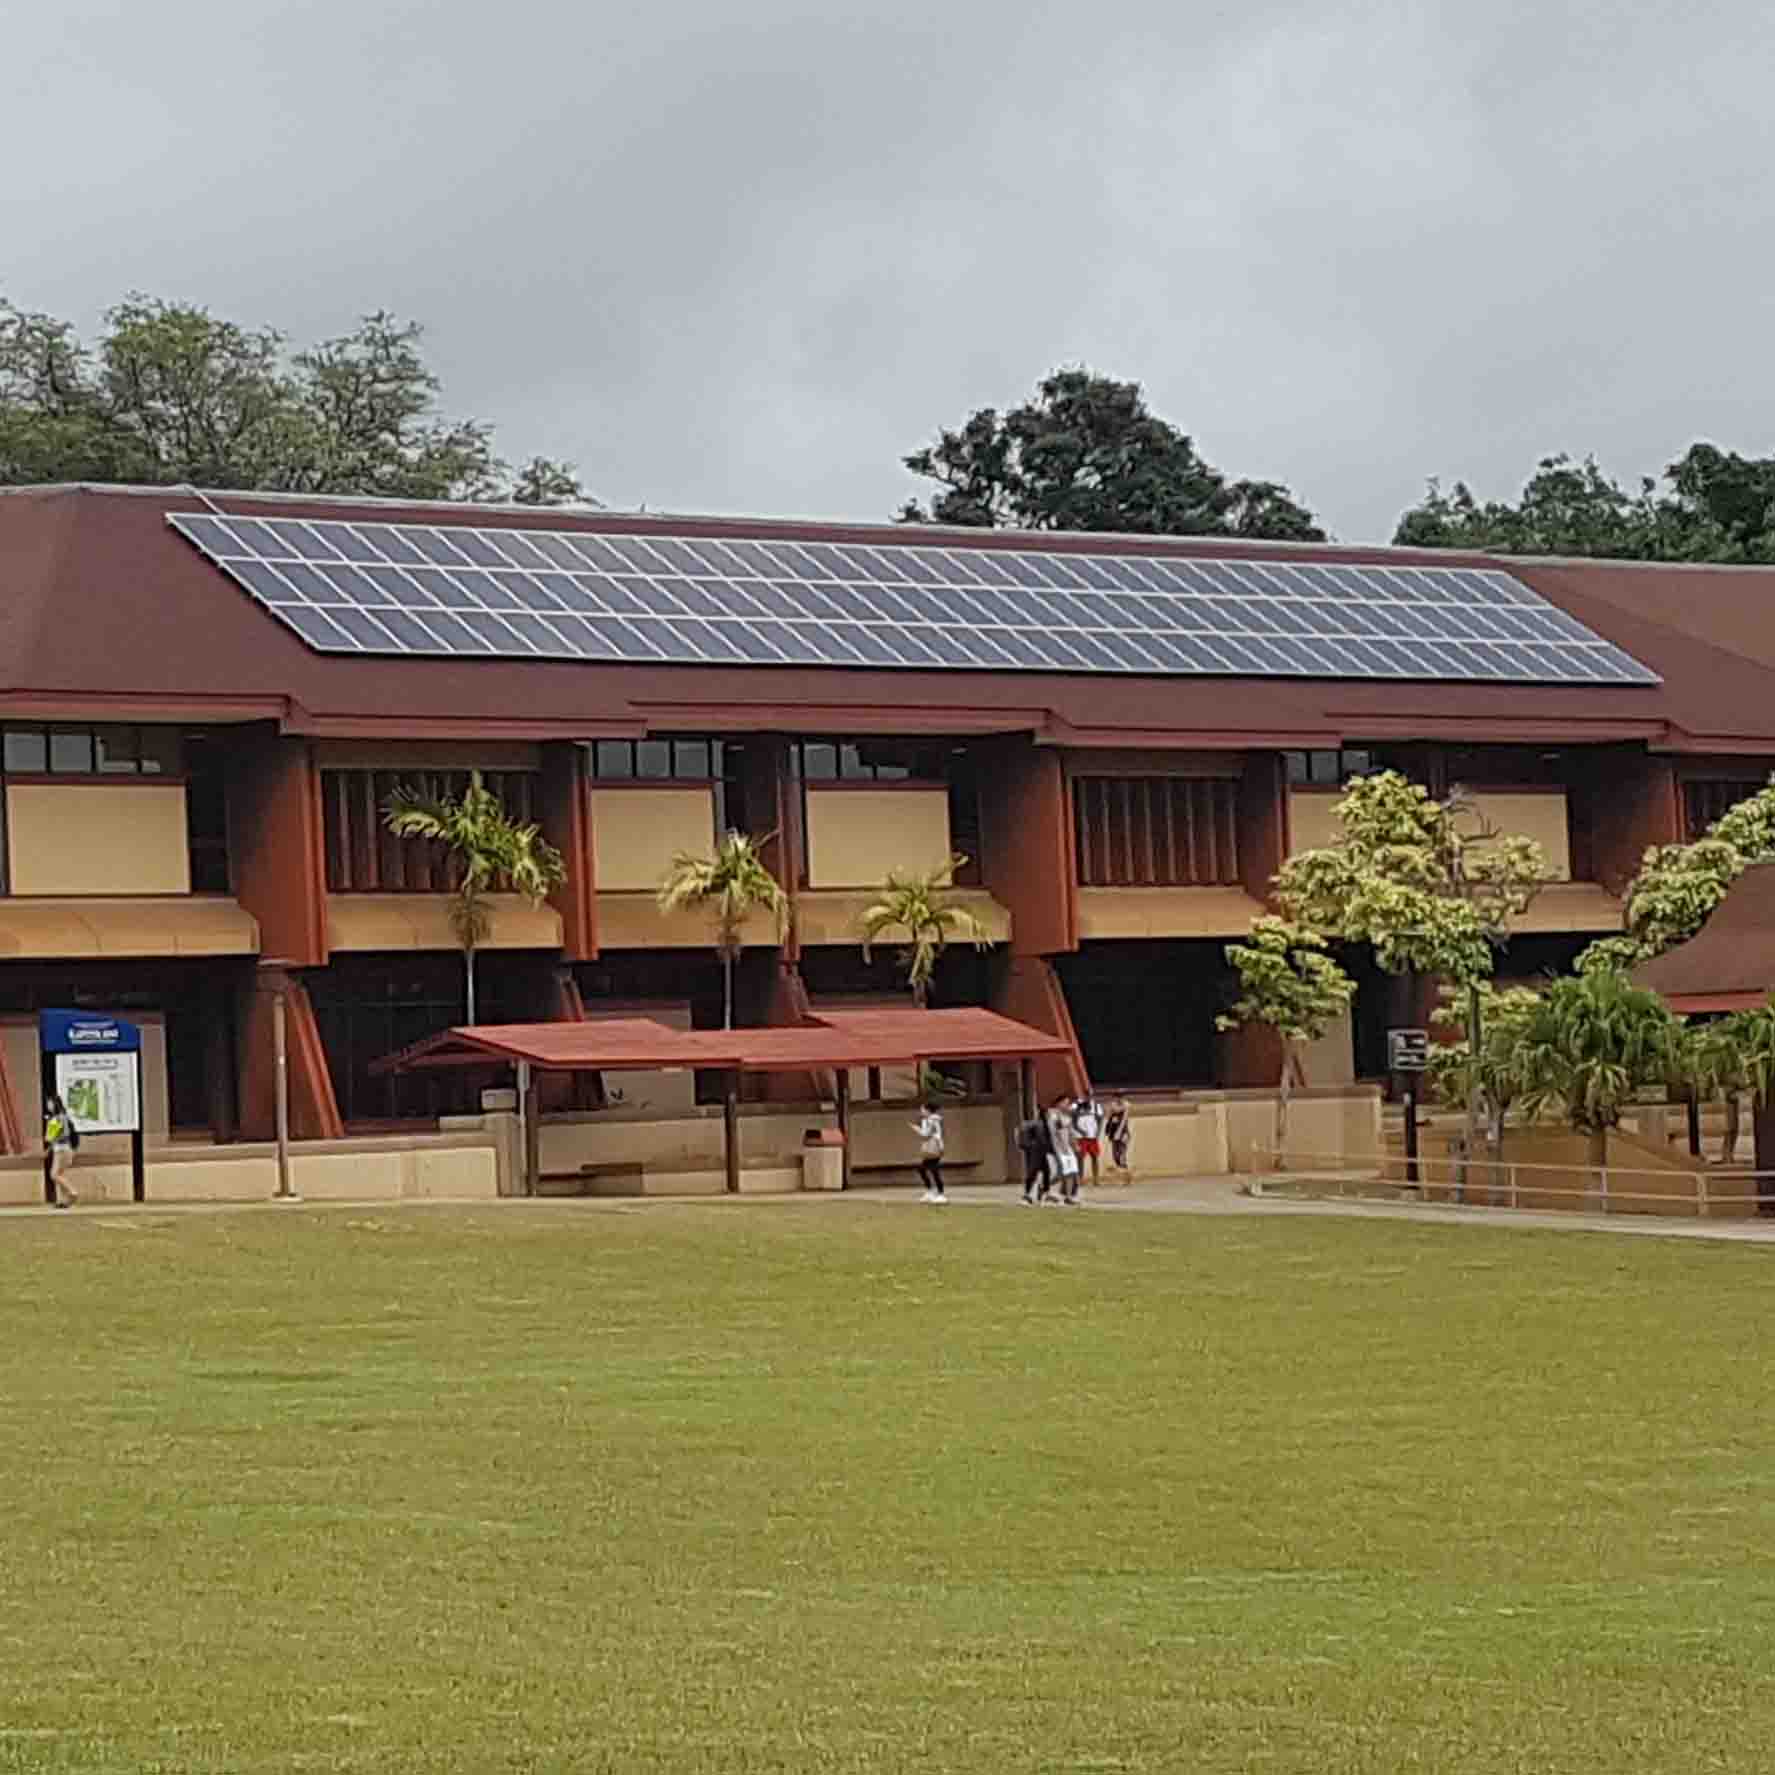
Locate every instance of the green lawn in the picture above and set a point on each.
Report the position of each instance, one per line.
(859, 1486)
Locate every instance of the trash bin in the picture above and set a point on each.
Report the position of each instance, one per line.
(822, 1159)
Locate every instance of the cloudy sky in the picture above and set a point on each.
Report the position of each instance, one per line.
(741, 257)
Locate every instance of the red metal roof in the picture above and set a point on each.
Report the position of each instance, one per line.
(638, 1044)
(167, 632)
(1729, 964)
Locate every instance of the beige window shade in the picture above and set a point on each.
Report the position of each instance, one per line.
(637, 833)
(856, 835)
(97, 838)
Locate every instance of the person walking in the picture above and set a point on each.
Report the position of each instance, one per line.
(1037, 1148)
(1087, 1128)
(929, 1128)
(60, 1137)
(1119, 1129)
(1066, 1158)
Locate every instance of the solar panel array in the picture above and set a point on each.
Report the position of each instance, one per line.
(417, 589)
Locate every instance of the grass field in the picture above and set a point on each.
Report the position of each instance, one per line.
(859, 1487)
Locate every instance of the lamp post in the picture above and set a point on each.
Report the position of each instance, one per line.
(280, 1044)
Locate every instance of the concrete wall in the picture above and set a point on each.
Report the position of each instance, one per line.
(1326, 1125)
(1553, 1171)
(428, 1166)
(769, 1137)
(855, 835)
(97, 837)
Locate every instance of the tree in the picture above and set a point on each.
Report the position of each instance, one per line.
(921, 906)
(1715, 506)
(1679, 885)
(172, 395)
(1430, 885)
(1286, 980)
(491, 850)
(730, 886)
(1453, 1073)
(1086, 454)
(1591, 1044)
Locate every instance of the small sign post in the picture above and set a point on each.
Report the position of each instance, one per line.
(1408, 1054)
(96, 1061)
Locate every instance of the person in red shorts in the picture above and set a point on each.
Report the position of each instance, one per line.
(1087, 1129)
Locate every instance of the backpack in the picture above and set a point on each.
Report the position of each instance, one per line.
(1032, 1136)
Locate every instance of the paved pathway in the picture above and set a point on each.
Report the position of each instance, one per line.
(1186, 1195)
(1226, 1195)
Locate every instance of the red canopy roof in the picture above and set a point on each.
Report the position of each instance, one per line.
(877, 1037)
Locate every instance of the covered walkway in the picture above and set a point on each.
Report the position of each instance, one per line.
(834, 1041)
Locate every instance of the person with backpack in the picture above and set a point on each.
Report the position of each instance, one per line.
(1087, 1128)
(929, 1128)
(1066, 1158)
(1037, 1148)
(60, 1138)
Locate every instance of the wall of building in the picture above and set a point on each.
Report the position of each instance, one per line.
(97, 838)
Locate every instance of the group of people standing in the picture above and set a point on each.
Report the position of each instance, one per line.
(1055, 1145)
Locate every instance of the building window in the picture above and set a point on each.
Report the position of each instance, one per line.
(863, 761)
(364, 857)
(1156, 831)
(77, 750)
(663, 760)
(1328, 770)
(1704, 802)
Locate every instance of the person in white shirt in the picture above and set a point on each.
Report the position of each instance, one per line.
(929, 1129)
(1087, 1126)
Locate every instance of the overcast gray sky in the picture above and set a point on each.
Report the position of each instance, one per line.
(741, 257)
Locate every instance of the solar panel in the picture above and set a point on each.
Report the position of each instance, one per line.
(418, 589)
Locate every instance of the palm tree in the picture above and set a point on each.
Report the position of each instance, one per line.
(731, 885)
(920, 906)
(1590, 1045)
(492, 850)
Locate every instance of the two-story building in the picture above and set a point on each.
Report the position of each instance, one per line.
(206, 700)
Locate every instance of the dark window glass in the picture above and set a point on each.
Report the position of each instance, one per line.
(26, 749)
(614, 758)
(690, 758)
(70, 750)
(1358, 764)
(114, 750)
(892, 772)
(653, 758)
(819, 760)
(850, 762)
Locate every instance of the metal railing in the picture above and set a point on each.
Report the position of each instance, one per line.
(1512, 1183)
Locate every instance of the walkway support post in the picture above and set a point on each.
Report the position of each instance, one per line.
(1025, 1089)
(841, 1084)
(280, 1042)
(530, 1134)
(730, 1118)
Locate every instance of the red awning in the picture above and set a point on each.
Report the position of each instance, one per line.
(883, 1037)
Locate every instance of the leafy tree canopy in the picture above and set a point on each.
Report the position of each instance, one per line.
(1589, 1045)
(1287, 981)
(1086, 454)
(170, 395)
(1424, 881)
(1709, 505)
(1679, 885)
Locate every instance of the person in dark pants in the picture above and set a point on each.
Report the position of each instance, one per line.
(929, 1128)
(1038, 1154)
